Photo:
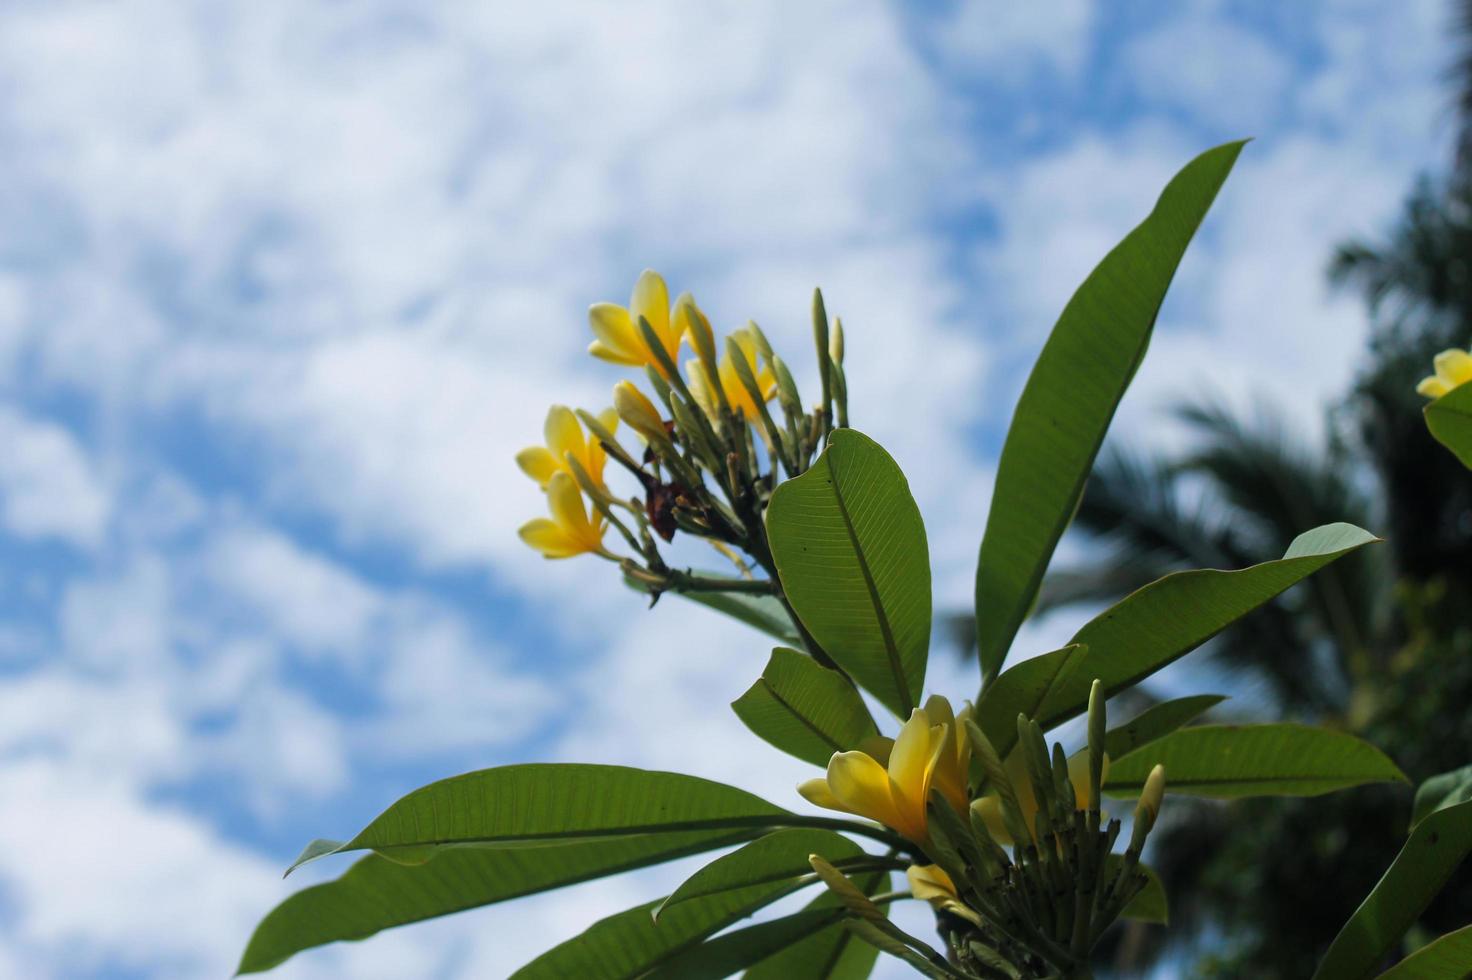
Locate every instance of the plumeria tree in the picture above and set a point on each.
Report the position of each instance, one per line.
(1008, 834)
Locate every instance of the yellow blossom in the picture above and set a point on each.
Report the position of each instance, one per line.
(564, 434)
(1453, 369)
(891, 790)
(737, 396)
(638, 411)
(570, 531)
(930, 883)
(989, 807)
(617, 328)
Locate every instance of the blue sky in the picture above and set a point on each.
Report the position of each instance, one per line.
(284, 286)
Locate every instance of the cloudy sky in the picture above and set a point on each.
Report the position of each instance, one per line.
(284, 286)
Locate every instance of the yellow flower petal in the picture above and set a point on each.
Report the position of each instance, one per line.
(538, 463)
(550, 539)
(564, 433)
(862, 786)
(1432, 387)
(565, 501)
(1454, 367)
(617, 339)
(930, 883)
(912, 752)
(879, 747)
(651, 300)
(816, 791)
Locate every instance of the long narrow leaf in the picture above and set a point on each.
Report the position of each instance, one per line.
(1169, 618)
(1449, 957)
(1435, 848)
(1156, 722)
(1230, 761)
(1021, 689)
(831, 953)
(377, 894)
(1071, 396)
(778, 856)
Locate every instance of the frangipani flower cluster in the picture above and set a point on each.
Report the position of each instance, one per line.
(714, 446)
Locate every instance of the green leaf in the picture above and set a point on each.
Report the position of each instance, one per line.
(1450, 420)
(376, 893)
(832, 953)
(778, 856)
(734, 951)
(1151, 904)
(1021, 689)
(1230, 761)
(1156, 722)
(1448, 957)
(1435, 848)
(1170, 617)
(1070, 398)
(805, 709)
(545, 802)
(630, 943)
(850, 550)
(1440, 792)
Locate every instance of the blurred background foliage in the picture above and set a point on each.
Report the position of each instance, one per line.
(1379, 644)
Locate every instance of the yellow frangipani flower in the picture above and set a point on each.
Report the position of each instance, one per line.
(737, 396)
(892, 791)
(638, 411)
(1453, 369)
(564, 434)
(989, 807)
(930, 883)
(617, 328)
(570, 531)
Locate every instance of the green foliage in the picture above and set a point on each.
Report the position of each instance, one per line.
(779, 856)
(830, 953)
(376, 893)
(1436, 847)
(1070, 398)
(1440, 792)
(1021, 689)
(850, 550)
(1447, 958)
(543, 803)
(1155, 722)
(1171, 617)
(804, 709)
(1450, 420)
(1230, 761)
(631, 944)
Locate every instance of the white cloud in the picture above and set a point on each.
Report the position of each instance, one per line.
(1016, 42)
(49, 486)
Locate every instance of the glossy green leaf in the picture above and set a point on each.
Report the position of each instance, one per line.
(1070, 398)
(631, 944)
(850, 550)
(831, 953)
(1449, 957)
(1435, 849)
(1450, 420)
(778, 856)
(1230, 761)
(1170, 617)
(1020, 689)
(1155, 722)
(732, 952)
(544, 802)
(1440, 792)
(376, 893)
(805, 709)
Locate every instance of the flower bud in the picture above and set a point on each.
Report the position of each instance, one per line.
(638, 412)
(1153, 794)
(835, 341)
